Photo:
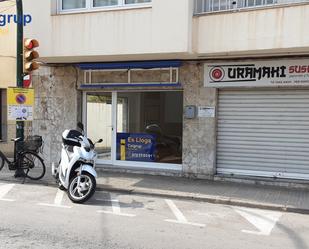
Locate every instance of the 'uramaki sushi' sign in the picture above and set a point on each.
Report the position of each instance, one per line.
(257, 73)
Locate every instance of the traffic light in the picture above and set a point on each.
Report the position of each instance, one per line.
(30, 55)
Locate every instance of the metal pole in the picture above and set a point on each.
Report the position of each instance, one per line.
(20, 41)
(19, 59)
(19, 68)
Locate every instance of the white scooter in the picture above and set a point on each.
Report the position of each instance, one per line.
(76, 170)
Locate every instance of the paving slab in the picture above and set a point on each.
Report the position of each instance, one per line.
(241, 194)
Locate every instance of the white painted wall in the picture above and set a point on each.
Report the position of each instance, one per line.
(279, 30)
(7, 48)
(99, 123)
(166, 30)
(111, 35)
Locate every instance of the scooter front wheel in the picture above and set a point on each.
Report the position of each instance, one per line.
(81, 192)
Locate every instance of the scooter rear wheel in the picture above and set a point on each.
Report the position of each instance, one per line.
(80, 194)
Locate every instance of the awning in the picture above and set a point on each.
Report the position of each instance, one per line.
(130, 65)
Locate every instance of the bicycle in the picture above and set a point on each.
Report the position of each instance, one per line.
(26, 157)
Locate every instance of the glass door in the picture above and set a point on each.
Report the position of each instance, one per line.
(99, 121)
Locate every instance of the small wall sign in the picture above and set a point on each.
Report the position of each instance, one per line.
(20, 103)
(206, 112)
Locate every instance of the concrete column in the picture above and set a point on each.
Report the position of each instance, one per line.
(199, 134)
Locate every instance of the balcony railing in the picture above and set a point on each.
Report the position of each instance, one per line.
(208, 6)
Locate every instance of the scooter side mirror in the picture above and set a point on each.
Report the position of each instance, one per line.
(100, 141)
(80, 126)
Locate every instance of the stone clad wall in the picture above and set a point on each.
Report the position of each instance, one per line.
(56, 107)
(199, 134)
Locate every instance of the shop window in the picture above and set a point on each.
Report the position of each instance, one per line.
(132, 76)
(150, 127)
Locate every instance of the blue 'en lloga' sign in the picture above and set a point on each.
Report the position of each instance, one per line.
(136, 147)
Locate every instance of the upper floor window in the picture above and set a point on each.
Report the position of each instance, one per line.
(136, 1)
(79, 5)
(73, 4)
(207, 6)
(100, 3)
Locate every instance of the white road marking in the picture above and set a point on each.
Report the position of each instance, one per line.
(115, 207)
(181, 219)
(59, 197)
(106, 200)
(115, 213)
(57, 201)
(4, 189)
(263, 220)
(3, 199)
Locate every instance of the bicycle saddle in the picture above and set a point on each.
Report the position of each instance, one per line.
(16, 139)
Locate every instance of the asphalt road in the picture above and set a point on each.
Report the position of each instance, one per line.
(35, 216)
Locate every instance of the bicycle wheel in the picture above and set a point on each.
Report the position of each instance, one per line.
(1, 163)
(32, 164)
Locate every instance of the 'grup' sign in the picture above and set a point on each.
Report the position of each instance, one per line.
(7, 19)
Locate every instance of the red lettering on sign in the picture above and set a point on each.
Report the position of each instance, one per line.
(299, 69)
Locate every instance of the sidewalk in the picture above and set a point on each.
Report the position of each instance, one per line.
(239, 194)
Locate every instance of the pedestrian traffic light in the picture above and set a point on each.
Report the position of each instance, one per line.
(30, 55)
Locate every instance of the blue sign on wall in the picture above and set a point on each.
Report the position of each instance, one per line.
(136, 147)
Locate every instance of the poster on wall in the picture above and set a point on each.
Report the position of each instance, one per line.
(268, 73)
(20, 102)
(136, 147)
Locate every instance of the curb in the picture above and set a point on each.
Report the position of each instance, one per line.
(206, 198)
(180, 195)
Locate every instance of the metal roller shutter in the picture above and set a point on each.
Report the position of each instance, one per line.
(263, 133)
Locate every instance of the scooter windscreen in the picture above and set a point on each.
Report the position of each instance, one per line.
(70, 137)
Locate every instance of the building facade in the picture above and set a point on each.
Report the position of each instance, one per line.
(193, 88)
(8, 73)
